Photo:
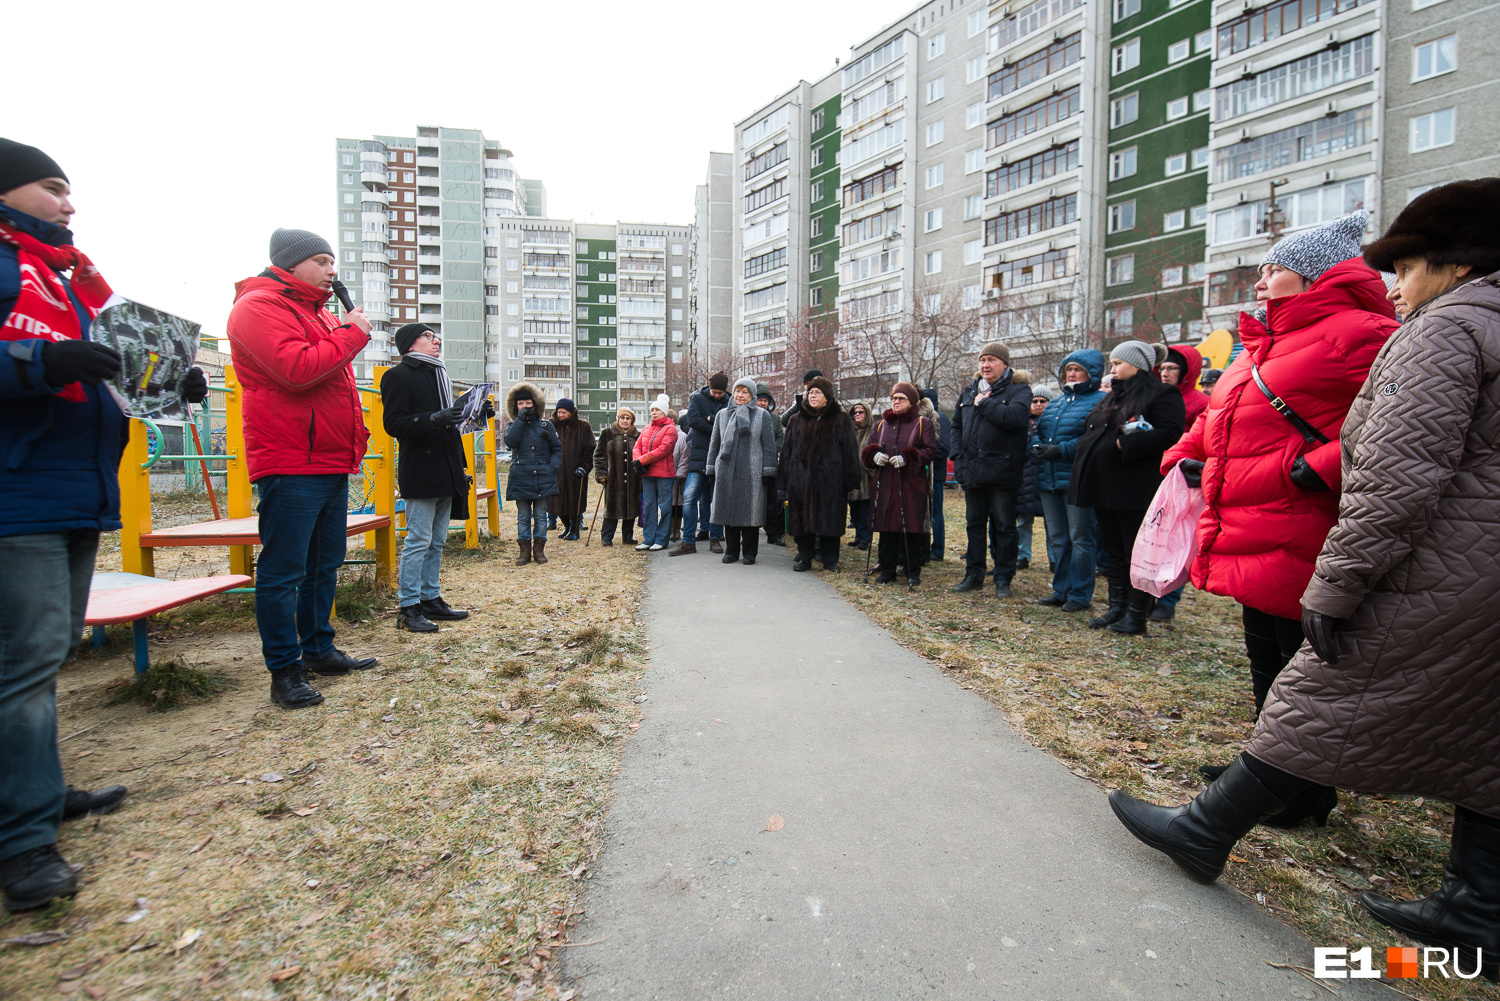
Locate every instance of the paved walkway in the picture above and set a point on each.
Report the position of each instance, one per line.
(928, 852)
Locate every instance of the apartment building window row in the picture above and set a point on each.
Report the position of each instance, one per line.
(762, 263)
(536, 304)
(546, 327)
(1288, 146)
(869, 307)
(1048, 111)
(766, 364)
(1044, 62)
(769, 125)
(871, 104)
(1308, 75)
(1298, 209)
(556, 283)
(1038, 167)
(1028, 21)
(546, 349)
(642, 307)
(873, 186)
(1029, 321)
(773, 295)
(765, 195)
(546, 237)
(1024, 271)
(764, 330)
(1282, 18)
(763, 162)
(871, 265)
(549, 371)
(878, 59)
(872, 143)
(642, 285)
(872, 226)
(1037, 218)
(765, 230)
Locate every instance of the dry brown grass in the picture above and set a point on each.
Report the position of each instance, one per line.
(431, 826)
(1143, 713)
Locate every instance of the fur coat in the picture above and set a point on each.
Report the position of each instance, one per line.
(819, 466)
(613, 469)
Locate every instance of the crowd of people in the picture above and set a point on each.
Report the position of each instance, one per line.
(1346, 459)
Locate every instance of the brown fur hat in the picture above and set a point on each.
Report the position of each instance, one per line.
(1457, 223)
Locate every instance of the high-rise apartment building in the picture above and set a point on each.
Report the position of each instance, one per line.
(711, 271)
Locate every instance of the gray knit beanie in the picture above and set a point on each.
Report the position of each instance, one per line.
(749, 384)
(1140, 354)
(1313, 251)
(290, 247)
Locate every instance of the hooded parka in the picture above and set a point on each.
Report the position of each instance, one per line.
(1410, 570)
(819, 466)
(903, 496)
(535, 451)
(861, 439)
(431, 460)
(702, 408)
(1260, 533)
(655, 447)
(741, 454)
(576, 435)
(1194, 400)
(612, 462)
(1061, 423)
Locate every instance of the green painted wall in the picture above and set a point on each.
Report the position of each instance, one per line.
(595, 354)
(827, 139)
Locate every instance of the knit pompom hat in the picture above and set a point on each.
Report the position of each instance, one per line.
(1313, 251)
(662, 403)
(1140, 354)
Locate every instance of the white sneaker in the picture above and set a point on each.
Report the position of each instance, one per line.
(657, 546)
(643, 547)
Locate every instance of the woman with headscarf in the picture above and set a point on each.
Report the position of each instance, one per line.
(618, 476)
(577, 437)
(859, 497)
(899, 450)
(742, 465)
(819, 466)
(1115, 469)
(653, 457)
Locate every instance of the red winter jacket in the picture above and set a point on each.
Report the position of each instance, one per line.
(301, 408)
(1261, 533)
(655, 446)
(1193, 398)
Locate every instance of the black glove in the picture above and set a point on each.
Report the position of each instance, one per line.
(636, 467)
(488, 411)
(194, 386)
(1192, 471)
(1046, 452)
(1320, 631)
(64, 362)
(580, 472)
(447, 418)
(1308, 479)
(781, 495)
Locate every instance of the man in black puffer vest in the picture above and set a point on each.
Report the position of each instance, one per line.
(990, 426)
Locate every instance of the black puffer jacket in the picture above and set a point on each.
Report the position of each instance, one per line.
(1125, 478)
(989, 439)
(432, 458)
(535, 450)
(701, 411)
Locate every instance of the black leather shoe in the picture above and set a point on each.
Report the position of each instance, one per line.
(886, 576)
(290, 690)
(1052, 601)
(1199, 835)
(81, 802)
(749, 561)
(1133, 622)
(336, 663)
(1075, 606)
(1023, 564)
(802, 563)
(411, 619)
(971, 582)
(439, 610)
(1002, 588)
(831, 566)
(1163, 613)
(36, 877)
(730, 558)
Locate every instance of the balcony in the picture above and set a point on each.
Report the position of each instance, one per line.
(372, 179)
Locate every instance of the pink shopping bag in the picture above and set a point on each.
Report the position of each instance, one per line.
(1168, 539)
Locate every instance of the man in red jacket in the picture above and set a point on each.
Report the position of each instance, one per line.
(304, 438)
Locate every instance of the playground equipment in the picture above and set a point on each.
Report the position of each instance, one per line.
(128, 597)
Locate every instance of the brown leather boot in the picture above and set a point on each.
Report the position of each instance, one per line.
(539, 550)
(524, 545)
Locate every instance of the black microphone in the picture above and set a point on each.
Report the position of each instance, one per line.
(343, 294)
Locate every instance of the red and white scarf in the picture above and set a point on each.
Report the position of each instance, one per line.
(43, 309)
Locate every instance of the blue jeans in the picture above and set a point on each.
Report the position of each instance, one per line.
(695, 505)
(303, 542)
(422, 554)
(1072, 544)
(860, 514)
(1171, 600)
(531, 519)
(44, 591)
(939, 530)
(1023, 536)
(656, 499)
(984, 507)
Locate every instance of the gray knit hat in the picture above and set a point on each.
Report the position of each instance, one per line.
(1313, 251)
(290, 247)
(1140, 354)
(749, 384)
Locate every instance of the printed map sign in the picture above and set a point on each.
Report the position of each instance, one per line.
(158, 349)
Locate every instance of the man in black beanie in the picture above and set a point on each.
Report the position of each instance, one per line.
(420, 414)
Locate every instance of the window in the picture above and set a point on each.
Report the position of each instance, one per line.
(815, 261)
(1122, 217)
(1276, 19)
(815, 296)
(1432, 130)
(1297, 79)
(1028, 69)
(815, 230)
(872, 186)
(1033, 117)
(937, 45)
(1178, 51)
(1029, 270)
(935, 175)
(872, 61)
(1197, 271)
(767, 126)
(935, 90)
(1122, 163)
(348, 161)
(1177, 108)
(974, 115)
(1126, 8)
(1202, 100)
(677, 292)
(1198, 215)
(1033, 219)
(765, 262)
(1120, 321)
(676, 250)
(512, 264)
(351, 235)
(677, 271)
(817, 156)
(1124, 110)
(1434, 58)
(1308, 207)
(1028, 21)
(974, 69)
(817, 120)
(973, 206)
(815, 192)
(1173, 221)
(1203, 41)
(932, 262)
(677, 314)
(1176, 164)
(973, 161)
(1120, 270)
(765, 195)
(762, 162)
(973, 294)
(973, 251)
(870, 227)
(1125, 57)
(935, 133)
(1200, 157)
(1276, 150)
(932, 220)
(1037, 167)
(348, 198)
(513, 374)
(976, 23)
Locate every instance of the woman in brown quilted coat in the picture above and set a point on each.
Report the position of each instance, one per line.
(1398, 687)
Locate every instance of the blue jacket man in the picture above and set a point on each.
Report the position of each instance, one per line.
(1072, 541)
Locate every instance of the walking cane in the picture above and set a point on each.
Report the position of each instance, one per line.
(905, 535)
(590, 537)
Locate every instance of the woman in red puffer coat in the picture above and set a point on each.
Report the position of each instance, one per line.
(1273, 491)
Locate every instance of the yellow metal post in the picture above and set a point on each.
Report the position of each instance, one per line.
(135, 504)
(471, 523)
(382, 540)
(492, 474)
(237, 487)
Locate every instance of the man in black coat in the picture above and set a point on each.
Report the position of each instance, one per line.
(702, 408)
(421, 416)
(939, 473)
(990, 426)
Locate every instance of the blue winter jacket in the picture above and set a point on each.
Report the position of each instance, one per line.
(59, 461)
(1061, 423)
(535, 457)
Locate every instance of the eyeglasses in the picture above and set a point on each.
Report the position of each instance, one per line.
(434, 338)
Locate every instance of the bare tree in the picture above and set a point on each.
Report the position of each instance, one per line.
(812, 342)
(691, 375)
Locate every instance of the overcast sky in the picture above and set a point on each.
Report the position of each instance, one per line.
(190, 131)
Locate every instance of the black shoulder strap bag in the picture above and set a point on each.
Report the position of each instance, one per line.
(1307, 431)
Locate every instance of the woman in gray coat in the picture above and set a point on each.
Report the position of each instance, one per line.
(1397, 688)
(741, 461)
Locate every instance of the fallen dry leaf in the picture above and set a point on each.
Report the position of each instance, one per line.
(95, 991)
(82, 754)
(200, 845)
(1139, 745)
(1236, 858)
(311, 919)
(187, 938)
(525, 867)
(70, 987)
(134, 980)
(76, 972)
(38, 938)
(465, 939)
(286, 973)
(306, 811)
(775, 824)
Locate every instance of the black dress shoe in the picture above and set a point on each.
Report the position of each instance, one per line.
(730, 558)
(1002, 588)
(80, 802)
(411, 619)
(1073, 605)
(336, 663)
(36, 877)
(290, 690)
(971, 582)
(802, 563)
(1052, 601)
(886, 576)
(1023, 564)
(749, 561)
(439, 610)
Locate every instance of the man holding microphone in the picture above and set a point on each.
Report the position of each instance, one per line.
(305, 436)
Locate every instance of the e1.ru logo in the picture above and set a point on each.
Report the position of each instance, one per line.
(1401, 963)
